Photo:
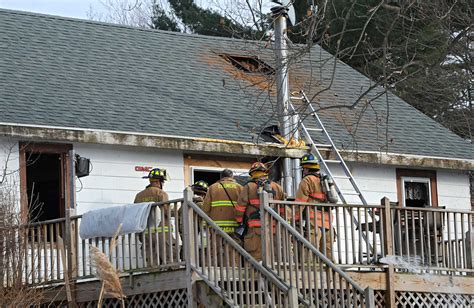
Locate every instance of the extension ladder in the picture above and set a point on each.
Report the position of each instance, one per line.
(325, 164)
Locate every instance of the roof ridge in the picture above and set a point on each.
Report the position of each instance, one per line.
(108, 24)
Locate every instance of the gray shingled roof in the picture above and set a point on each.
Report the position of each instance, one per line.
(72, 73)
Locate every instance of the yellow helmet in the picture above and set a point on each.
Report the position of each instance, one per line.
(310, 162)
(258, 169)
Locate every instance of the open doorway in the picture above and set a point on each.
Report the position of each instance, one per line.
(44, 169)
(43, 185)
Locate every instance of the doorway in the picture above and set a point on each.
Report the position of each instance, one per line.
(43, 176)
(43, 171)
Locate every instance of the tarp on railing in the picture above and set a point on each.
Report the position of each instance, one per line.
(104, 222)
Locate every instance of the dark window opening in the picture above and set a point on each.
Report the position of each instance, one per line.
(417, 194)
(44, 187)
(249, 64)
(211, 176)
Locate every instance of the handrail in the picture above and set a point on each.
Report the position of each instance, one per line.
(308, 245)
(375, 206)
(287, 202)
(270, 275)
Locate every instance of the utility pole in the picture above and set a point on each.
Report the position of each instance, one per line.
(287, 124)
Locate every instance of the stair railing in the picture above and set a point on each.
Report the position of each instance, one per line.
(216, 258)
(298, 262)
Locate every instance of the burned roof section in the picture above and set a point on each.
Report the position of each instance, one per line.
(249, 64)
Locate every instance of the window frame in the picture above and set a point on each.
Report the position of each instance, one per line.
(417, 175)
(412, 179)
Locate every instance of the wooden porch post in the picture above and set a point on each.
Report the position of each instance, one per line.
(369, 298)
(470, 248)
(69, 229)
(387, 225)
(265, 220)
(189, 244)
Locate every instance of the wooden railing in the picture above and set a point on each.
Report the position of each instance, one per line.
(435, 238)
(226, 267)
(33, 253)
(295, 259)
(47, 251)
(439, 240)
(157, 248)
(431, 238)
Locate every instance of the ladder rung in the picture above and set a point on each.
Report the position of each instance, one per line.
(341, 177)
(332, 161)
(321, 145)
(297, 97)
(351, 193)
(314, 129)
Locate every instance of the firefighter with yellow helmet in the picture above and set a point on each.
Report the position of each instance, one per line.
(317, 189)
(247, 209)
(154, 193)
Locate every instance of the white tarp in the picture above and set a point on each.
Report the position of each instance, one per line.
(104, 222)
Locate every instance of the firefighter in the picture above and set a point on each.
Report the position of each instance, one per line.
(154, 193)
(248, 207)
(200, 190)
(311, 189)
(220, 202)
(219, 205)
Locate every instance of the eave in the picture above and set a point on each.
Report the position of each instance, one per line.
(39, 133)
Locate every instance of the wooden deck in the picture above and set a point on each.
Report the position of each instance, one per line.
(212, 269)
(454, 291)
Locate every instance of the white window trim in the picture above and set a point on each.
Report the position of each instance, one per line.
(412, 179)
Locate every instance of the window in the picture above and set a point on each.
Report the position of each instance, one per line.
(416, 192)
(249, 64)
(208, 168)
(212, 175)
(416, 188)
(44, 170)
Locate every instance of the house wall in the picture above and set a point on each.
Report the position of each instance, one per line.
(453, 189)
(114, 181)
(378, 181)
(9, 166)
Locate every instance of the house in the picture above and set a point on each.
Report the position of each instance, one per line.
(131, 99)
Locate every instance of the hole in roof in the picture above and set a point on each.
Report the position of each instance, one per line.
(249, 64)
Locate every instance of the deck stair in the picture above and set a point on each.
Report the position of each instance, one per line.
(240, 280)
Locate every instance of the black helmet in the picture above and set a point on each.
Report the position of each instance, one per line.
(157, 174)
(200, 187)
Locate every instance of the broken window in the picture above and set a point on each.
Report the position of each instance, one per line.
(249, 64)
(416, 188)
(416, 192)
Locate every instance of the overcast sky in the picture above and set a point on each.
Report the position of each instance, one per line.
(69, 8)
